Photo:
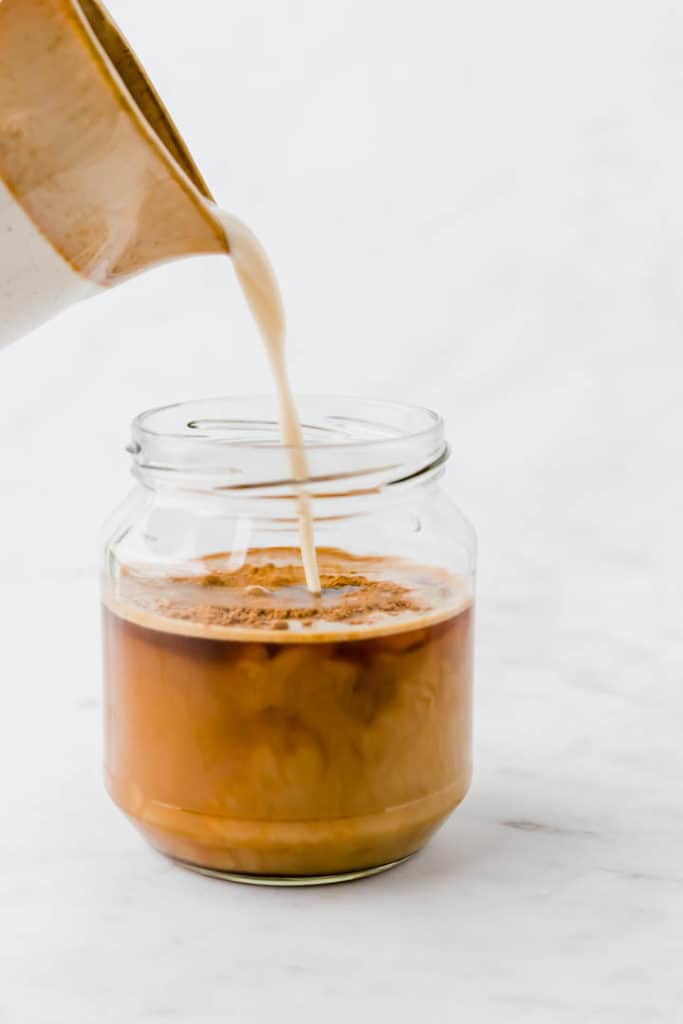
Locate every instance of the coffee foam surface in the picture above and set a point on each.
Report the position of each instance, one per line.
(266, 599)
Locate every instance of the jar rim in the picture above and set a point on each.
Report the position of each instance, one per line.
(235, 441)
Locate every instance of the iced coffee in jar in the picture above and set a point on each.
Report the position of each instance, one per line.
(254, 729)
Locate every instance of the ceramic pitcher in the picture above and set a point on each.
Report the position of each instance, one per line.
(95, 182)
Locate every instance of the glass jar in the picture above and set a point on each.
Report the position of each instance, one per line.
(254, 731)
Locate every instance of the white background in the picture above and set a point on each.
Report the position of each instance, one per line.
(475, 206)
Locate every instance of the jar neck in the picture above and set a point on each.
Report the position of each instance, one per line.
(357, 451)
(281, 499)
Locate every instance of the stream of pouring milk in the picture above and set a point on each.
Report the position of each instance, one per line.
(260, 287)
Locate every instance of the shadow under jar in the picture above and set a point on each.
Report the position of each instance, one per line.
(255, 731)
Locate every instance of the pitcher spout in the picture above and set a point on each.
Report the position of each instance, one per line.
(96, 182)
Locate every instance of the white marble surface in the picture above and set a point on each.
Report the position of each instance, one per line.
(518, 169)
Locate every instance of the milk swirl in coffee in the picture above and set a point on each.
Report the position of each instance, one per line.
(253, 729)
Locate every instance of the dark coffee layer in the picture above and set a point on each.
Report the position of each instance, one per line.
(281, 756)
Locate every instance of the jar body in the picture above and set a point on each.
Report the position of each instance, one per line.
(283, 747)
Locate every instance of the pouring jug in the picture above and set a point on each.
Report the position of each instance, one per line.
(96, 184)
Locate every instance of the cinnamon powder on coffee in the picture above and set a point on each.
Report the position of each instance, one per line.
(272, 596)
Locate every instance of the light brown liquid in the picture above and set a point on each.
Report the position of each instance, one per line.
(252, 728)
(260, 287)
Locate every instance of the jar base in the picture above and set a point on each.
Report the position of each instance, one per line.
(291, 881)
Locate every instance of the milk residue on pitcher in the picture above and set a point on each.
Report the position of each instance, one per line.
(259, 285)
